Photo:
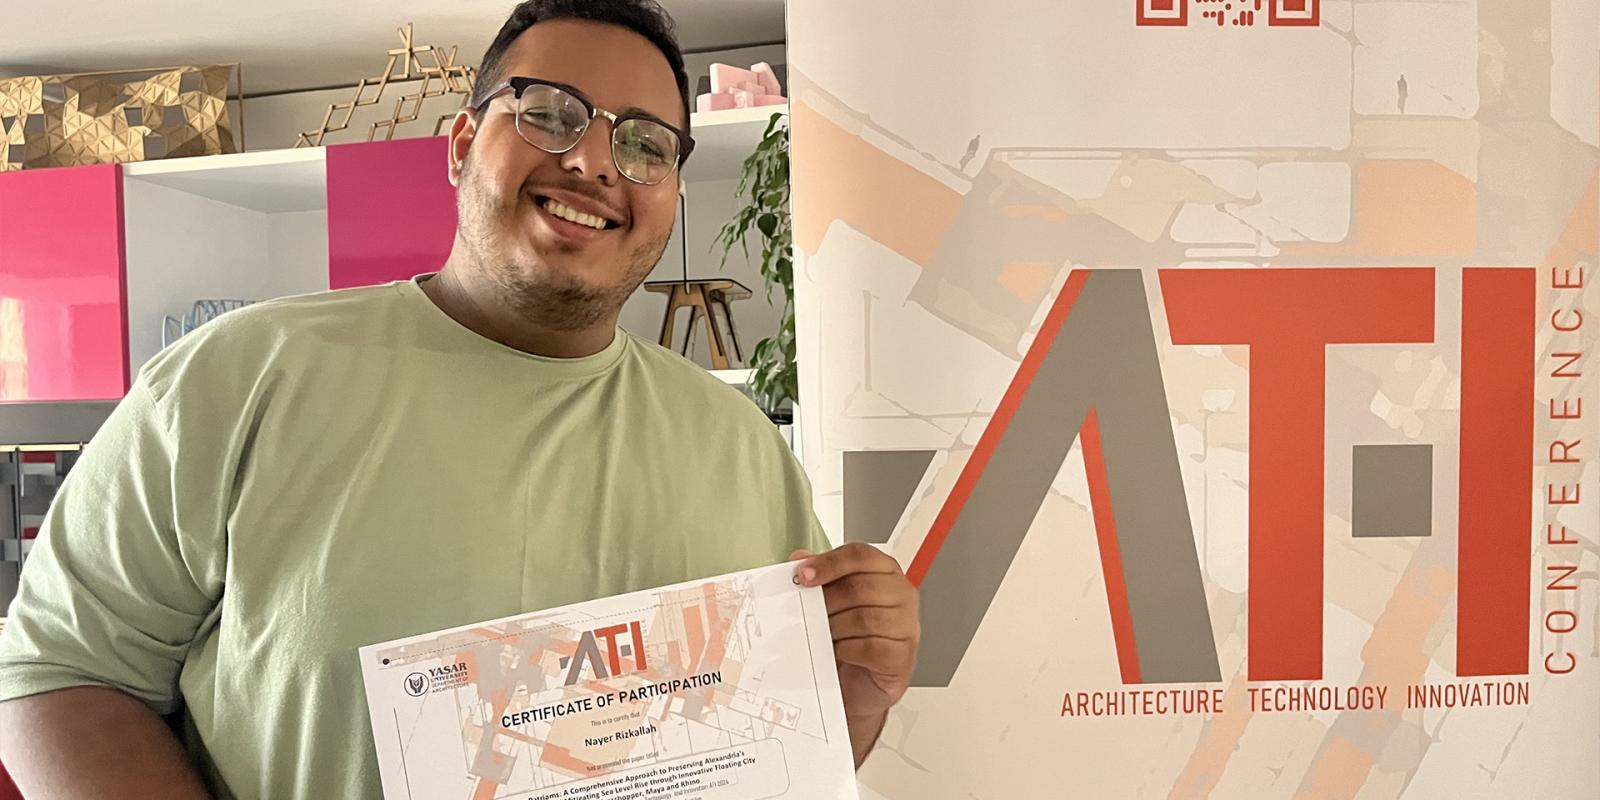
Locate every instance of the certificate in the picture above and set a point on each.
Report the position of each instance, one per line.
(719, 689)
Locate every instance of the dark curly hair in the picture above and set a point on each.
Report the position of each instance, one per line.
(644, 17)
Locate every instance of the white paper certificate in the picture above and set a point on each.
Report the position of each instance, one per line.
(720, 689)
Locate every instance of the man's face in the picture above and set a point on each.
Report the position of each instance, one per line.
(563, 272)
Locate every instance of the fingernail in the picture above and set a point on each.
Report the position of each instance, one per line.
(807, 574)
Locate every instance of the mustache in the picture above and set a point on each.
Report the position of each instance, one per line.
(585, 189)
(481, 186)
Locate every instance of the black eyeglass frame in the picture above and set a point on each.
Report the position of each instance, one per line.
(519, 84)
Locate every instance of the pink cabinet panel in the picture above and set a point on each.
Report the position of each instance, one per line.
(391, 210)
(63, 326)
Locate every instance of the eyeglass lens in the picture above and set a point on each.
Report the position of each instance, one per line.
(553, 120)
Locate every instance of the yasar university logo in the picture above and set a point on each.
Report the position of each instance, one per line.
(1093, 375)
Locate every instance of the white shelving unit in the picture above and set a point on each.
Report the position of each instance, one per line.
(269, 181)
(243, 226)
(253, 226)
(724, 139)
(292, 180)
(734, 377)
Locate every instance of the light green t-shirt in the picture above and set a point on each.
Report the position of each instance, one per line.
(302, 477)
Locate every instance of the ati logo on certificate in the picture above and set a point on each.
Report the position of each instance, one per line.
(589, 653)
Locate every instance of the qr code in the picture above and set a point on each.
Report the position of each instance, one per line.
(1234, 13)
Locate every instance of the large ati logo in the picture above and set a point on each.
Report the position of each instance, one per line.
(621, 641)
(1093, 376)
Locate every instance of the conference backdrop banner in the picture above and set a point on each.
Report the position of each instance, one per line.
(1223, 372)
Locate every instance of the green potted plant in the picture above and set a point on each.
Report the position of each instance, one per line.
(764, 191)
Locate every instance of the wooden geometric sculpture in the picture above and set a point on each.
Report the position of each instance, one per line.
(444, 77)
(114, 117)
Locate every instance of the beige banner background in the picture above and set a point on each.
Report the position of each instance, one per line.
(1444, 134)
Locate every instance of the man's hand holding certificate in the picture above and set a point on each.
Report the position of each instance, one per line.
(721, 688)
(874, 618)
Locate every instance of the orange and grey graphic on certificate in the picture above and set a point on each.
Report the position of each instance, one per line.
(722, 688)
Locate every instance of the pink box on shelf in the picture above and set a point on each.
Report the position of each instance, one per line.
(725, 77)
(749, 100)
(713, 102)
(732, 87)
(767, 78)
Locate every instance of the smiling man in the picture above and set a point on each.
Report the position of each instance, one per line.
(306, 476)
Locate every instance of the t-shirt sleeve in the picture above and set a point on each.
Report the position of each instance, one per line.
(125, 570)
(801, 525)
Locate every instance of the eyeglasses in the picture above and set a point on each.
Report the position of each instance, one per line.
(554, 117)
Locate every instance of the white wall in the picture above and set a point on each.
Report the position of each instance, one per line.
(182, 247)
(298, 252)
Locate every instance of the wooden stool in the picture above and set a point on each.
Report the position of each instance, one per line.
(702, 297)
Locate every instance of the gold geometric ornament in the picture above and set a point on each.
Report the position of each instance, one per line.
(115, 117)
(445, 76)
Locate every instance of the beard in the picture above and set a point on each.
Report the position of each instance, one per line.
(553, 299)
